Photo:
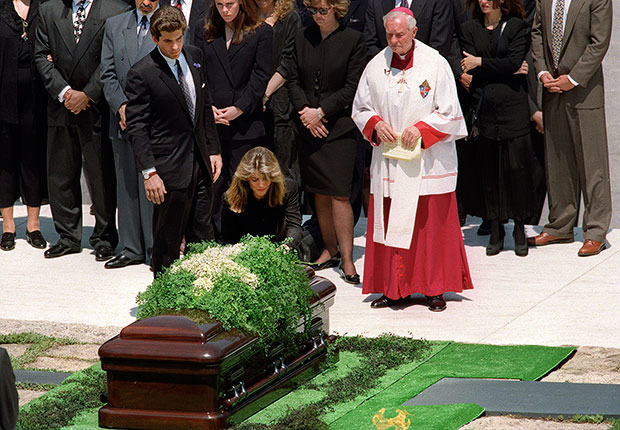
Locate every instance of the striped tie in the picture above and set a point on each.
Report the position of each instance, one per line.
(179, 5)
(185, 90)
(557, 31)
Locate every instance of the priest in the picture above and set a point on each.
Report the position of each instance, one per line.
(407, 96)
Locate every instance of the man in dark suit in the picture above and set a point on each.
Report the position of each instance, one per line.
(125, 42)
(435, 20)
(8, 393)
(569, 41)
(71, 33)
(194, 12)
(172, 130)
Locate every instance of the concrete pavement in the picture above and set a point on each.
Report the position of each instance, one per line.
(551, 297)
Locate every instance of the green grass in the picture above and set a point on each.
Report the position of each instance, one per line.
(38, 345)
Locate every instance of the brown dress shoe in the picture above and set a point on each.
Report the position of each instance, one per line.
(547, 239)
(591, 247)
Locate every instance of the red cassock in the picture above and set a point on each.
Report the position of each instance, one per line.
(435, 262)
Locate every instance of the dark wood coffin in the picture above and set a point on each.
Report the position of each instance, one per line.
(168, 372)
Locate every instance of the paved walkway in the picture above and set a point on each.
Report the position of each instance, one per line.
(551, 297)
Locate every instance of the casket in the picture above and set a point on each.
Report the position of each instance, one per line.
(167, 372)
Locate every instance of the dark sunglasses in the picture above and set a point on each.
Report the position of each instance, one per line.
(314, 10)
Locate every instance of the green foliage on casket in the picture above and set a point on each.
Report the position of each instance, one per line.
(255, 286)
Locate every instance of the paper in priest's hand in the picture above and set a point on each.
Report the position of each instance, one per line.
(397, 151)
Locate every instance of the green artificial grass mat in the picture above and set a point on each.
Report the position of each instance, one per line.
(396, 386)
(458, 360)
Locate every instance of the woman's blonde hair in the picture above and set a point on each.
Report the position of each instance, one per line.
(340, 7)
(282, 8)
(262, 161)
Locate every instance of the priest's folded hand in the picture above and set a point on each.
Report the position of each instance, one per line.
(385, 133)
(410, 136)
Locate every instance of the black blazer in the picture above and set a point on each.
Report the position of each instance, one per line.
(10, 39)
(258, 219)
(197, 15)
(325, 73)
(76, 65)
(356, 15)
(435, 21)
(159, 124)
(238, 76)
(504, 112)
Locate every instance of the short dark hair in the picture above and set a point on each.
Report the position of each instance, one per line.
(168, 19)
(509, 8)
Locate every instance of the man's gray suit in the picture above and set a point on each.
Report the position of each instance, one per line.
(574, 121)
(121, 50)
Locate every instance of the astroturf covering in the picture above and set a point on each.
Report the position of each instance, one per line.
(445, 359)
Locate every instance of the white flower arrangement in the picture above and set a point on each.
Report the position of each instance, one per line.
(208, 265)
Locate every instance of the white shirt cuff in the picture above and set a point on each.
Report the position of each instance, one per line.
(574, 82)
(148, 171)
(61, 96)
(541, 73)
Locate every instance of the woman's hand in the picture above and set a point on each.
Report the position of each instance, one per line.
(470, 62)
(311, 116)
(523, 69)
(385, 133)
(465, 80)
(318, 130)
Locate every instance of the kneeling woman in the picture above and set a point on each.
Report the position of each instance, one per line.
(260, 201)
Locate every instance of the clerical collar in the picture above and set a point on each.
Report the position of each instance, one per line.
(405, 62)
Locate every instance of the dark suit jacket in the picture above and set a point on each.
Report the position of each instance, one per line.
(435, 21)
(258, 219)
(10, 39)
(587, 34)
(356, 15)
(504, 112)
(8, 393)
(197, 15)
(159, 124)
(326, 73)
(75, 65)
(238, 76)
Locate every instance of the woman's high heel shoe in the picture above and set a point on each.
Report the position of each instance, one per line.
(495, 248)
(496, 241)
(518, 234)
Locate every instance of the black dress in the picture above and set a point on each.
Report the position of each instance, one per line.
(281, 136)
(22, 110)
(325, 74)
(258, 219)
(503, 156)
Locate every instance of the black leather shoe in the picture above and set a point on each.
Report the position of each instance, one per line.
(332, 262)
(384, 302)
(61, 249)
(7, 242)
(351, 279)
(103, 252)
(485, 228)
(122, 260)
(436, 303)
(35, 238)
(495, 248)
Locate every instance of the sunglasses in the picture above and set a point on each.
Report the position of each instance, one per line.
(313, 10)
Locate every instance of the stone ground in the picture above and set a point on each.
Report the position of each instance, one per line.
(588, 365)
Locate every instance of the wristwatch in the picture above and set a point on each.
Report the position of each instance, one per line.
(148, 175)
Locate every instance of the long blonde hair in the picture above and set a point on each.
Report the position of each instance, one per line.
(262, 161)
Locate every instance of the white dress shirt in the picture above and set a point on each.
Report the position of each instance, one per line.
(148, 18)
(186, 7)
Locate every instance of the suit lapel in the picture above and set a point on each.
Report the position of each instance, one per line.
(196, 76)
(417, 6)
(548, 25)
(130, 37)
(65, 27)
(571, 17)
(219, 46)
(92, 26)
(166, 75)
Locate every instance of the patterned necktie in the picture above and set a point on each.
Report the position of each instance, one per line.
(78, 24)
(179, 5)
(405, 4)
(185, 90)
(557, 31)
(143, 30)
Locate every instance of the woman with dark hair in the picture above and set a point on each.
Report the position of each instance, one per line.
(238, 52)
(494, 44)
(22, 121)
(284, 19)
(329, 59)
(260, 201)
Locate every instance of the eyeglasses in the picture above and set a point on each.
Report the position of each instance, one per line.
(313, 10)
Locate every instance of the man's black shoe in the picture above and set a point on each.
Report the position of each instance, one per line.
(122, 260)
(103, 252)
(61, 249)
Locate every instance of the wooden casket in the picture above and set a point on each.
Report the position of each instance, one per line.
(168, 372)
